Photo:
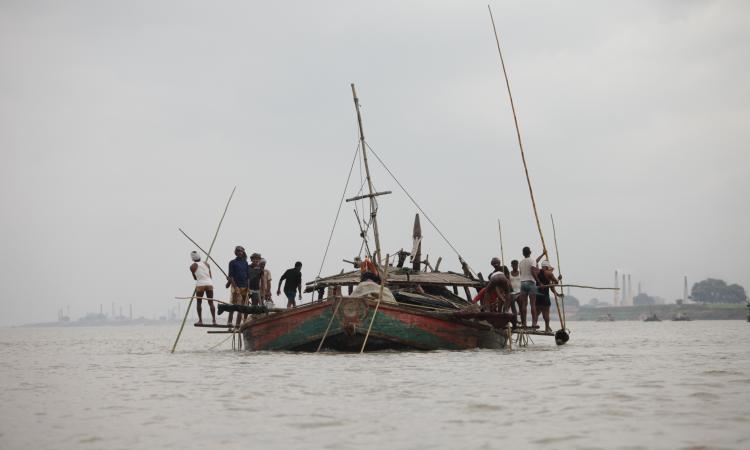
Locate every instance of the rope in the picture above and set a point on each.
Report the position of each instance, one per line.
(426, 216)
(333, 316)
(377, 305)
(214, 346)
(338, 212)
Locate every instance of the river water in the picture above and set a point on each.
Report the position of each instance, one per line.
(629, 385)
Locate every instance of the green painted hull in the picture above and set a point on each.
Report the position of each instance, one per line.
(347, 320)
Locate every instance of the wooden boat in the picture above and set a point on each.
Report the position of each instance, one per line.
(422, 310)
(681, 317)
(605, 318)
(652, 318)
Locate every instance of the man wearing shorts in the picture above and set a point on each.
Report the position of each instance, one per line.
(203, 285)
(529, 271)
(546, 278)
(293, 284)
(238, 281)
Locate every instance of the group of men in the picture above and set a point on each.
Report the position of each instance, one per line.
(250, 283)
(525, 284)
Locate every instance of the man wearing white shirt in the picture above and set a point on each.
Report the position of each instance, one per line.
(529, 278)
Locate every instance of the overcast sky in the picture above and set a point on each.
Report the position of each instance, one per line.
(122, 121)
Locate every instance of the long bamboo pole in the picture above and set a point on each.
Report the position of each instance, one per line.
(373, 203)
(216, 234)
(207, 255)
(559, 271)
(502, 253)
(518, 133)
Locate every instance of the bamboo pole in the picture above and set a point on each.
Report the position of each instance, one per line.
(207, 255)
(502, 253)
(518, 134)
(580, 286)
(373, 204)
(559, 272)
(216, 234)
(377, 305)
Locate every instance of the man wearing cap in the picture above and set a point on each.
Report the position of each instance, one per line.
(203, 285)
(238, 281)
(254, 273)
(546, 278)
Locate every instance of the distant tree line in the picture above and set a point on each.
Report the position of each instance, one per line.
(712, 290)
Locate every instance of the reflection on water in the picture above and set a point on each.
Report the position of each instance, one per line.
(615, 385)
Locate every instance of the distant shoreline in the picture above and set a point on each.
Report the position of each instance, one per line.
(718, 311)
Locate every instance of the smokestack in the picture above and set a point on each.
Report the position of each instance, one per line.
(639, 288)
(684, 291)
(630, 291)
(615, 299)
(624, 294)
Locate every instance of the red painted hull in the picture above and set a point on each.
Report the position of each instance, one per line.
(347, 320)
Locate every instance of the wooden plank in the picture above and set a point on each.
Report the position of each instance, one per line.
(207, 325)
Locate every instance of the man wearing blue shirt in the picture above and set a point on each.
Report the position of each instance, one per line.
(238, 280)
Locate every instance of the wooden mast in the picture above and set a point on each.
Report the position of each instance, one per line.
(373, 204)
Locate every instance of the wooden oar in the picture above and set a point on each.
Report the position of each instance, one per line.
(216, 234)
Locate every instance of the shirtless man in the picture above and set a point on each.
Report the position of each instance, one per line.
(500, 268)
(500, 287)
(546, 277)
(529, 272)
(203, 285)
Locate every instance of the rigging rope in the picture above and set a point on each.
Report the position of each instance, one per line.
(341, 202)
(414, 201)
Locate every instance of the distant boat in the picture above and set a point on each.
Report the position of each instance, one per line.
(681, 317)
(652, 318)
(605, 318)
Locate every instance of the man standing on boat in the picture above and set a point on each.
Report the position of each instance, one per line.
(515, 277)
(529, 278)
(203, 285)
(546, 278)
(238, 280)
(255, 273)
(265, 282)
(292, 285)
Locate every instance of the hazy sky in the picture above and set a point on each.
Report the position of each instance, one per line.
(122, 121)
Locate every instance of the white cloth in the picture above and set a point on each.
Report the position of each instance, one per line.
(369, 288)
(525, 268)
(515, 283)
(202, 275)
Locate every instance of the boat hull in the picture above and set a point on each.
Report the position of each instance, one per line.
(347, 319)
